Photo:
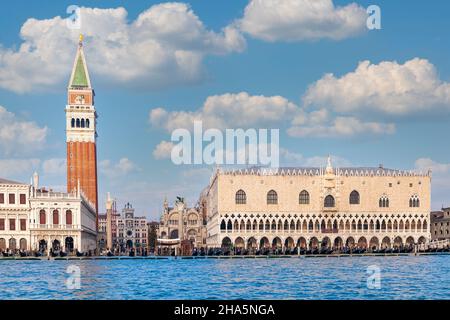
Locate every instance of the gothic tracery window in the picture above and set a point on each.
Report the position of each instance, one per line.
(414, 202)
(383, 202)
(241, 197)
(272, 197)
(354, 197)
(329, 201)
(303, 197)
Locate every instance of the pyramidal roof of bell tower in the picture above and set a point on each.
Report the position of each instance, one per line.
(79, 78)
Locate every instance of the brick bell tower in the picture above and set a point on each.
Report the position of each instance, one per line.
(81, 134)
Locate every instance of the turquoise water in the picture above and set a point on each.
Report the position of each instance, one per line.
(401, 277)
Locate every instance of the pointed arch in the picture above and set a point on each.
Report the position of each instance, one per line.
(272, 197)
(303, 197)
(329, 201)
(240, 197)
(354, 197)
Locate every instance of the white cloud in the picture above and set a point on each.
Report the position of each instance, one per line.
(387, 87)
(289, 158)
(55, 166)
(9, 168)
(163, 150)
(341, 127)
(440, 182)
(165, 45)
(116, 170)
(19, 136)
(229, 110)
(242, 110)
(426, 164)
(297, 20)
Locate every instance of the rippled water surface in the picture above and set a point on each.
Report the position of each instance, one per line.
(404, 277)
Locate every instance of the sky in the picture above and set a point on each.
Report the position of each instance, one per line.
(312, 69)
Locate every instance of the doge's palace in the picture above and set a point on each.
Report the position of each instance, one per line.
(315, 208)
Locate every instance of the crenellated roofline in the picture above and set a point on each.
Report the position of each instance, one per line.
(318, 171)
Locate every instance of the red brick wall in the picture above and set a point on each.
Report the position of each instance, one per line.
(82, 165)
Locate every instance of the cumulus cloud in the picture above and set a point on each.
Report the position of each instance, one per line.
(387, 87)
(290, 158)
(19, 136)
(116, 170)
(55, 166)
(163, 150)
(341, 127)
(297, 20)
(10, 168)
(426, 164)
(242, 110)
(440, 183)
(165, 45)
(230, 110)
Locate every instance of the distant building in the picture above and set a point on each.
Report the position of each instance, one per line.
(33, 218)
(440, 224)
(62, 221)
(314, 208)
(130, 232)
(14, 215)
(102, 232)
(181, 223)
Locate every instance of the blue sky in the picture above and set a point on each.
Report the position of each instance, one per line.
(395, 112)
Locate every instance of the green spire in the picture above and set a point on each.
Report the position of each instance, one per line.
(79, 77)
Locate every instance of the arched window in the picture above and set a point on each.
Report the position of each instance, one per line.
(69, 217)
(42, 217)
(82, 123)
(87, 123)
(229, 225)
(55, 217)
(383, 202)
(272, 197)
(72, 123)
(414, 202)
(274, 225)
(78, 123)
(303, 197)
(241, 197)
(354, 197)
(329, 201)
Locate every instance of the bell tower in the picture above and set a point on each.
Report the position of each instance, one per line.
(81, 134)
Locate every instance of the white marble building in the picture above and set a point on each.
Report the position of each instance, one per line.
(45, 219)
(14, 215)
(310, 208)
